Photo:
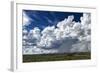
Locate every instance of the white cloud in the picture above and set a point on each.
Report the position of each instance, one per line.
(64, 28)
(84, 43)
(47, 38)
(82, 46)
(58, 33)
(66, 22)
(26, 19)
(36, 33)
(25, 31)
(48, 30)
(36, 50)
(25, 37)
(86, 19)
(69, 36)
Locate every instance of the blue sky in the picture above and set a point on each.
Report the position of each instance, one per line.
(43, 19)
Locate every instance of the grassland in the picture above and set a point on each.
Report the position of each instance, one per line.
(56, 57)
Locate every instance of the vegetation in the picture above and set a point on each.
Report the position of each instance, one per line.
(56, 57)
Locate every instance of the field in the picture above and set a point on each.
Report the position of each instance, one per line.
(56, 57)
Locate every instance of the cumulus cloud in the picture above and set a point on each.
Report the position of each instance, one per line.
(47, 38)
(36, 33)
(67, 36)
(86, 19)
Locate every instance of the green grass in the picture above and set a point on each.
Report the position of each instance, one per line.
(56, 57)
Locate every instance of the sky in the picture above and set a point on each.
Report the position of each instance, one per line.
(55, 32)
(43, 19)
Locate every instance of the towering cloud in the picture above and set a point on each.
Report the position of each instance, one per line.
(67, 36)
